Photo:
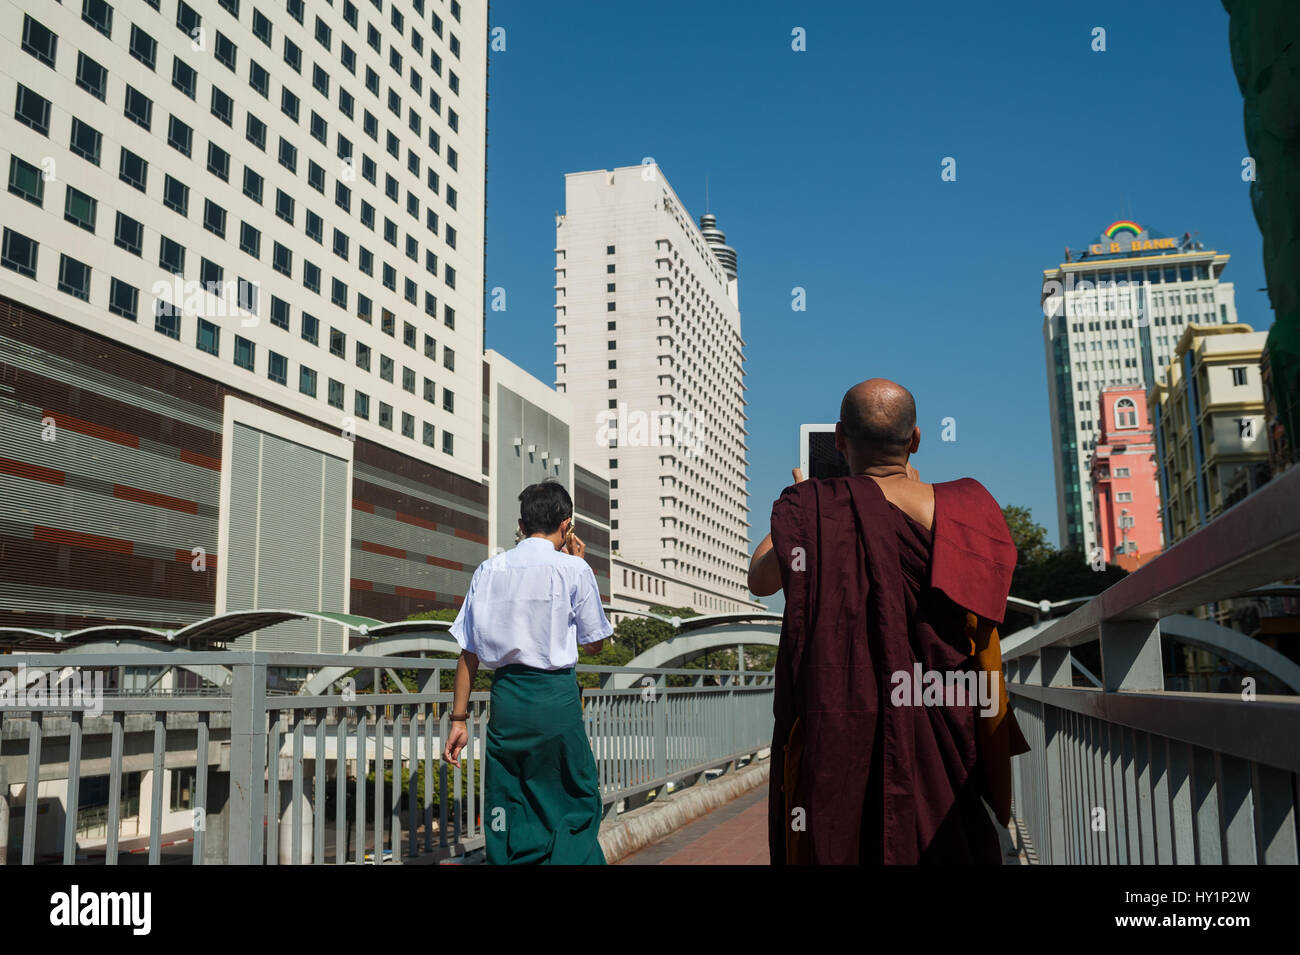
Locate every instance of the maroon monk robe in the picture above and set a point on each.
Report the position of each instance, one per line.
(869, 592)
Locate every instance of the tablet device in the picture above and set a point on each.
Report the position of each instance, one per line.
(817, 455)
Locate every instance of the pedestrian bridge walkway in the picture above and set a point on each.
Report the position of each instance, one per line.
(218, 756)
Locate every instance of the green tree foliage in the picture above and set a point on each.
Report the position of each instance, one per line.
(1030, 538)
(1046, 573)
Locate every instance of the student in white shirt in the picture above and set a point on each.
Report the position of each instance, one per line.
(525, 615)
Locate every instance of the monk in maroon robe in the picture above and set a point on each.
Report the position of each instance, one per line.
(890, 585)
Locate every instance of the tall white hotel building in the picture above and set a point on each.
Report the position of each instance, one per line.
(649, 351)
(1097, 332)
(321, 165)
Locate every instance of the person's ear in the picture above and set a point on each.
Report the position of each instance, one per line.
(839, 437)
(916, 441)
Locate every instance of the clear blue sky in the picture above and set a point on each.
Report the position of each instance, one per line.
(824, 171)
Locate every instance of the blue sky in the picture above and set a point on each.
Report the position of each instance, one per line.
(824, 171)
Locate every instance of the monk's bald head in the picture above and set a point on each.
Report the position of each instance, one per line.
(878, 417)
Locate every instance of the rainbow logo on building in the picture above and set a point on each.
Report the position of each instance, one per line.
(1123, 225)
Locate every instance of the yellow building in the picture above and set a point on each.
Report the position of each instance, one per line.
(1208, 414)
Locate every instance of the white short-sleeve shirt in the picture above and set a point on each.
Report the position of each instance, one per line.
(531, 605)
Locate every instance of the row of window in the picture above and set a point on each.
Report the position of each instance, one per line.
(19, 253)
(34, 110)
(27, 181)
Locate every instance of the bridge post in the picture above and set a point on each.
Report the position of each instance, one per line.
(248, 754)
(661, 730)
(4, 815)
(1130, 655)
(1055, 669)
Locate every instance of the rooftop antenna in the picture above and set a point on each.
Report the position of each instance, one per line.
(706, 194)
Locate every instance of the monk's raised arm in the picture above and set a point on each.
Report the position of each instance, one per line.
(764, 570)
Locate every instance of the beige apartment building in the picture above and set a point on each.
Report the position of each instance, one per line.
(1208, 415)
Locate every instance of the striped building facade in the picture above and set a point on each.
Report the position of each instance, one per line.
(114, 469)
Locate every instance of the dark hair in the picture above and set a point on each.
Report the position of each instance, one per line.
(544, 507)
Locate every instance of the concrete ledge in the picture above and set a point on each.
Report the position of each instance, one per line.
(639, 828)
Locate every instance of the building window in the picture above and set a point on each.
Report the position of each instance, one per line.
(210, 276)
(224, 50)
(259, 79)
(176, 195)
(184, 77)
(19, 253)
(179, 136)
(1125, 413)
(39, 40)
(128, 234)
(171, 255)
(187, 20)
(282, 259)
(74, 278)
(91, 77)
(99, 15)
(143, 47)
(26, 181)
(261, 27)
(255, 132)
(428, 434)
(32, 110)
(85, 141)
(1121, 472)
(448, 443)
(277, 368)
(218, 162)
(244, 353)
(223, 107)
(138, 108)
(307, 381)
(79, 208)
(310, 328)
(335, 394)
(166, 319)
(123, 299)
(214, 218)
(208, 338)
(1239, 376)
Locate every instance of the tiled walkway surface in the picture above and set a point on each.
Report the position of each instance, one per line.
(734, 834)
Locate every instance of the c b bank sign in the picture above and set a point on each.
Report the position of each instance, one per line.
(1127, 236)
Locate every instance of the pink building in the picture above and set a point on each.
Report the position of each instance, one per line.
(1125, 488)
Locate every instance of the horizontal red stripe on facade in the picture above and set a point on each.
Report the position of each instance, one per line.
(186, 557)
(417, 521)
(140, 496)
(383, 549)
(362, 506)
(471, 536)
(54, 535)
(415, 592)
(200, 460)
(92, 429)
(443, 562)
(33, 472)
(358, 584)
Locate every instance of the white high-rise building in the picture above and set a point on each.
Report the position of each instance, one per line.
(322, 164)
(649, 351)
(241, 297)
(1113, 315)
